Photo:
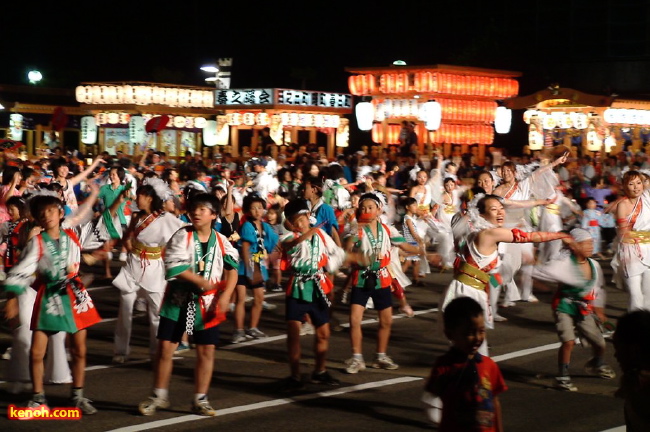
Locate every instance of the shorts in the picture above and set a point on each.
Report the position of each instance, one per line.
(170, 330)
(566, 325)
(244, 281)
(318, 311)
(380, 297)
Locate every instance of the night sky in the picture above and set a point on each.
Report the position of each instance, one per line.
(578, 43)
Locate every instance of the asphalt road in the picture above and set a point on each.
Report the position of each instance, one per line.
(245, 387)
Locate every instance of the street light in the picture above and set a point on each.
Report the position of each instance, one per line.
(213, 70)
(34, 76)
(210, 68)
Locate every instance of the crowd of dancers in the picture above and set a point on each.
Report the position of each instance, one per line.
(197, 237)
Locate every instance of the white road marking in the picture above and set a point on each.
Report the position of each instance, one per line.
(616, 429)
(266, 404)
(526, 352)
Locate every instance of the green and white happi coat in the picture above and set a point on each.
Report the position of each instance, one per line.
(62, 302)
(184, 300)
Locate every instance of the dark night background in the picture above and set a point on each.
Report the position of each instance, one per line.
(597, 46)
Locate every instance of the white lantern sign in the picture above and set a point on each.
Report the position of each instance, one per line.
(502, 120)
(432, 115)
(137, 131)
(88, 130)
(365, 112)
(16, 127)
(210, 133)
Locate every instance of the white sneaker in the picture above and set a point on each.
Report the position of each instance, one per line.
(203, 407)
(239, 336)
(385, 363)
(306, 329)
(109, 256)
(499, 318)
(268, 306)
(354, 365)
(7, 354)
(150, 406)
(84, 404)
(532, 299)
(370, 304)
(123, 256)
(255, 333)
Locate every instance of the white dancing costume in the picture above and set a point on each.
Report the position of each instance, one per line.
(517, 253)
(144, 273)
(634, 258)
(475, 274)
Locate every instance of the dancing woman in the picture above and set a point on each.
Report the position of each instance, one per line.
(633, 222)
(539, 183)
(144, 271)
(477, 270)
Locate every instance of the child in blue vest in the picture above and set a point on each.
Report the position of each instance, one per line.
(257, 241)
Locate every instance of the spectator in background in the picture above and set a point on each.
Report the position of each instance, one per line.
(407, 138)
(347, 172)
(586, 169)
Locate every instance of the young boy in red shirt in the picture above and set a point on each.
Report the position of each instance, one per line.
(466, 382)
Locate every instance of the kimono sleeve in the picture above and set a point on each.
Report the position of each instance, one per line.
(20, 275)
(343, 198)
(247, 233)
(330, 217)
(395, 237)
(93, 234)
(550, 271)
(270, 238)
(335, 255)
(287, 238)
(168, 226)
(177, 254)
(231, 255)
(600, 295)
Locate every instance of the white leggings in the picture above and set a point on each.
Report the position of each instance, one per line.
(125, 320)
(57, 370)
(639, 288)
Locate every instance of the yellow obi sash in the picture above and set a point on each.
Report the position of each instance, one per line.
(638, 237)
(470, 275)
(148, 252)
(553, 209)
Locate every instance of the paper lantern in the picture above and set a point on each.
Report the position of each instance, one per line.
(432, 115)
(210, 133)
(137, 132)
(88, 130)
(16, 126)
(502, 120)
(365, 114)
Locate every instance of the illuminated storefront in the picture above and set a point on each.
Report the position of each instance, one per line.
(286, 113)
(122, 110)
(580, 121)
(450, 105)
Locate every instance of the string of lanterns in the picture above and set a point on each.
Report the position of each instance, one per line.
(144, 95)
(451, 109)
(433, 82)
(447, 133)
